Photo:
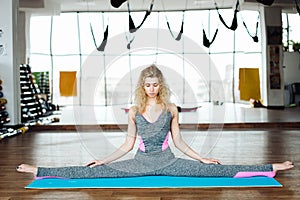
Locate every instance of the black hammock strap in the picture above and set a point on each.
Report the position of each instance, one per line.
(168, 24)
(255, 38)
(297, 6)
(234, 23)
(180, 32)
(132, 27)
(181, 29)
(117, 3)
(104, 41)
(206, 41)
(92, 32)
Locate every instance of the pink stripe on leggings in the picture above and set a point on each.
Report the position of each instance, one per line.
(165, 144)
(44, 177)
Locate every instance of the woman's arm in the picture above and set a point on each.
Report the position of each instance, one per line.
(125, 147)
(180, 143)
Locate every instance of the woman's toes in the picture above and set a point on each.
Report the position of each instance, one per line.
(26, 168)
(20, 168)
(283, 166)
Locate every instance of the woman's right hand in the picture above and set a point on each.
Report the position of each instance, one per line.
(95, 163)
(210, 161)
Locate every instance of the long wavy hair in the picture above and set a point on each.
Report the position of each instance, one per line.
(140, 97)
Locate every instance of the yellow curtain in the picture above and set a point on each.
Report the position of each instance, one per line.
(249, 84)
(68, 83)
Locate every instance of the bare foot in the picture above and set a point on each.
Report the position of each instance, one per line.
(282, 166)
(27, 169)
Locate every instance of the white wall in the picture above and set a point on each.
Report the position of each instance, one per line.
(21, 40)
(271, 97)
(9, 61)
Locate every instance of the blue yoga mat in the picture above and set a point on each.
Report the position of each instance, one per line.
(153, 182)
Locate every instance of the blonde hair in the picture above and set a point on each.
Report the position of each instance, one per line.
(140, 97)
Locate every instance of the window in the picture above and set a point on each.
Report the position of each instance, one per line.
(195, 73)
(291, 29)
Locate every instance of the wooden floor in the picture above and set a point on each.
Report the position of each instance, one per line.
(246, 136)
(60, 148)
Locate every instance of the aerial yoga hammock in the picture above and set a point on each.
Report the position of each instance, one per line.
(132, 27)
(234, 23)
(117, 3)
(101, 47)
(297, 6)
(255, 38)
(181, 28)
(206, 41)
(178, 37)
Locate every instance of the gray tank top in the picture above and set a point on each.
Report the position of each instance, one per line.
(153, 136)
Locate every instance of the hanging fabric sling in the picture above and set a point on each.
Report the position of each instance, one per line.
(178, 37)
(234, 23)
(117, 3)
(132, 27)
(255, 38)
(297, 6)
(181, 28)
(104, 41)
(206, 41)
(129, 41)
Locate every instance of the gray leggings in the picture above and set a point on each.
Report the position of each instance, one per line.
(153, 164)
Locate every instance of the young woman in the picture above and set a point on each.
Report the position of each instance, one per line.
(153, 119)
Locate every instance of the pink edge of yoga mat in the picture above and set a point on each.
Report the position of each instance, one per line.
(251, 174)
(44, 177)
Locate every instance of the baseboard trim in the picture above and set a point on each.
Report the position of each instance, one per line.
(192, 127)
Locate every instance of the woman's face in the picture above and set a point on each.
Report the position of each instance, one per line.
(151, 87)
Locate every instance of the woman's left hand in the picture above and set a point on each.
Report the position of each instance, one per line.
(210, 161)
(95, 163)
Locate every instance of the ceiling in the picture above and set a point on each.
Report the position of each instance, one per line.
(53, 7)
